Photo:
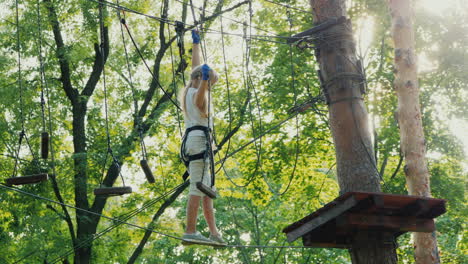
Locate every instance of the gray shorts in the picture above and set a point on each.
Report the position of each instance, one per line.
(197, 168)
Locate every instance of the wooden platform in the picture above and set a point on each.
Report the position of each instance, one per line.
(334, 224)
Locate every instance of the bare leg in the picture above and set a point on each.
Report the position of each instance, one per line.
(209, 215)
(192, 212)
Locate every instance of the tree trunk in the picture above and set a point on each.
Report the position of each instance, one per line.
(409, 118)
(342, 83)
(83, 254)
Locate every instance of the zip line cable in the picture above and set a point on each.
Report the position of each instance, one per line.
(190, 26)
(228, 18)
(6, 187)
(290, 7)
(123, 217)
(155, 78)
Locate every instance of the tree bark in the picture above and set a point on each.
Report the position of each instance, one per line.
(342, 83)
(412, 139)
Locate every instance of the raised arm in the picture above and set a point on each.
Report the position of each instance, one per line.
(195, 49)
(200, 96)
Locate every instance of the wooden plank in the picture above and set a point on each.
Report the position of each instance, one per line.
(438, 208)
(318, 221)
(415, 208)
(397, 223)
(369, 203)
(113, 191)
(326, 236)
(30, 179)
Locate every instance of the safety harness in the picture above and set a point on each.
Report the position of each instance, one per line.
(207, 153)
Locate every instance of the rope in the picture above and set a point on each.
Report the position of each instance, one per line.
(291, 177)
(228, 97)
(41, 67)
(22, 134)
(228, 18)
(137, 117)
(115, 162)
(3, 186)
(123, 217)
(174, 85)
(147, 66)
(288, 6)
(245, 59)
(20, 85)
(190, 26)
(199, 26)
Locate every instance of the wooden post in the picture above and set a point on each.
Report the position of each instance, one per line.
(409, 119)
(342, 81)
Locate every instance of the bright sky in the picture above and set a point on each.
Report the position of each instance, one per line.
(458, 126)
(364, 35)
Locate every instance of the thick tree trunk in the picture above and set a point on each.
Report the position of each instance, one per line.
(342, 82)
(81, 179)
(409, 118)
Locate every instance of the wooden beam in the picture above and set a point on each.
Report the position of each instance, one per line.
(322, 219)
(397, 223)
(415, 208)
(435, 210)
(372, 203)
(326, 236)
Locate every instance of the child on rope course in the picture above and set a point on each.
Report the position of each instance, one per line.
(196, 147)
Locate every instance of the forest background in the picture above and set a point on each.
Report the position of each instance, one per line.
(283, 176)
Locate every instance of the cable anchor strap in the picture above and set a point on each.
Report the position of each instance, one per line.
(345, 99)
(317, 29)
(180, 29)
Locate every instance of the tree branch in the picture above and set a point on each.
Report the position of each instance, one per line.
(99, 61)
(72, 95)
(398, 167)
(238, 126)
(66, 215)
(65, 77)
(146, 236)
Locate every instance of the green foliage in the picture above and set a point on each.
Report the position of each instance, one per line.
(250, 215)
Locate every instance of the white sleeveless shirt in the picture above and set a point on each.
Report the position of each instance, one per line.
(193, 115)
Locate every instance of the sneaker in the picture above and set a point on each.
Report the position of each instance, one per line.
(218, 240)
(196, 238)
